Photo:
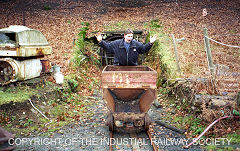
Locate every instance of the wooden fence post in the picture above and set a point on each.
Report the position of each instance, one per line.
(208, 51)
(209, 58)
(176, 53)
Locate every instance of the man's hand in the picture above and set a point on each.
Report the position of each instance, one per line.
(99, 37)
(152, 39)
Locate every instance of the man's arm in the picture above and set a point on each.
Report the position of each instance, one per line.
(145, 48)
(105, 45)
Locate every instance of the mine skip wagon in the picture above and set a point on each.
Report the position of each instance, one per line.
(128, 92)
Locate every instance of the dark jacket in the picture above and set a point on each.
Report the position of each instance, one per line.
(121, 57)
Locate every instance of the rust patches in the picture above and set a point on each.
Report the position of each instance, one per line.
(39, 51)
(8, 48)
(109, 100)
(146, 100)
(129, 77)
(28, 51)
(6, 72)
(129, 122)
(136, 118)
(46, 66)
(127, 94)
(18, 51)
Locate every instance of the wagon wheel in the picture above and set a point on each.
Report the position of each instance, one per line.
(147, 121)
(109, 122)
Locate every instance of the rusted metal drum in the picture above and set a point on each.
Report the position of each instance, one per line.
(129, 92)
(12, 70)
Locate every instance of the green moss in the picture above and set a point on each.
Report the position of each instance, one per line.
(235, 137)
(211, 147)
(47, 7)
(121, 25)
(84, 51)
(162, 51)
(53, 129)
(57, 110)
(16, 94)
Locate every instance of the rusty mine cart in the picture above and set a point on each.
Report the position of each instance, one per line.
(128, 92)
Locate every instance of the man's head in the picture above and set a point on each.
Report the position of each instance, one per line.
(128, 36)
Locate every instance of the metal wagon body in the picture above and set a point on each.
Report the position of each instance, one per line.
(129, 92)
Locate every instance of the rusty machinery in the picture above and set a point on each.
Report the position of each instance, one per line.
(128, 92)
(21, 49)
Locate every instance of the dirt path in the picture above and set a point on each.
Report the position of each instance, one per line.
(92, 134)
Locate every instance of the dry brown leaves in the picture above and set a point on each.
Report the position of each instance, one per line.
(60, 26)
(222, 127)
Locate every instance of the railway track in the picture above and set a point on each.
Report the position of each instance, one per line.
(132, 141)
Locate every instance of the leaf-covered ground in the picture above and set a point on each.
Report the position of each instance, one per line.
(60, 21)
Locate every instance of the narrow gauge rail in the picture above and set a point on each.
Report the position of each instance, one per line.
(137, 142)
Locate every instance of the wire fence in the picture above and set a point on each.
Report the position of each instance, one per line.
(224, 76)
(222, 43)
